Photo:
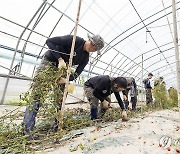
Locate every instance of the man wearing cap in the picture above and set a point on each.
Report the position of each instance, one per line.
(59, 53)
(99, 88)
(62, 47)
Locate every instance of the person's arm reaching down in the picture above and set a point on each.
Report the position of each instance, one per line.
(121, 104)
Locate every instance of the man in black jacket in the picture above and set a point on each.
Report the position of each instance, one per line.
(147, 86)
(59, 50)
(99, 88)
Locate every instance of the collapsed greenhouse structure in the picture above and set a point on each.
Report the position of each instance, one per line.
(140, 38)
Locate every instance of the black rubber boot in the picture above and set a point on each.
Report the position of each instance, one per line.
(94, 114)
(102, 112)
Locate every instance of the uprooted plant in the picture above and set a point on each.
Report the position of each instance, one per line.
(49, 95)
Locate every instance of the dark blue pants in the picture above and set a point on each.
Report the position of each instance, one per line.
(30, 115)
(31, 111)
(133, 101)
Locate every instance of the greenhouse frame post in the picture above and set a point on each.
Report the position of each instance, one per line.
(17, 45)
(142, 87)
(176, 51)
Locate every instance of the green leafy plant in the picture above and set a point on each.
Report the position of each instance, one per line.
(12, 139)
(173, 96)
(160, 95)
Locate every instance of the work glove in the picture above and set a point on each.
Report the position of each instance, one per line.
(62, 80)
(124, 116)
(105, 104)
(61, 63)
(125, 98)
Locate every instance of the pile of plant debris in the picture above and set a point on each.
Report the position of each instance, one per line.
(45, 85)
(13, 140)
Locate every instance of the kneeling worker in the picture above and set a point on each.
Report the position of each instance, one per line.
(99, 88)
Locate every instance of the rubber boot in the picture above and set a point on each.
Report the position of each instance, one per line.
(94, 114)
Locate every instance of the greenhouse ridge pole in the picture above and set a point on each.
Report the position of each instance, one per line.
(69, 69)
(176, 51)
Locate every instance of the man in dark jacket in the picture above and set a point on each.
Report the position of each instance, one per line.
(147, 86)
(99, 88)
(59, 50)
(132, 89)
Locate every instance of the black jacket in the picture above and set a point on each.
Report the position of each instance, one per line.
(147, 84)
(102, 88)
(63, 45)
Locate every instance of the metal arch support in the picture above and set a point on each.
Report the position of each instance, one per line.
(83, 15)
(7, 81)
(82, 26)
(154, 56)
(147, 58)
(55, 24)
(22, 26)
(160, 68)
(149, 32)
(133, 27)
(130, 35)
(107, 64)
(34, 26)
(173, 81)
(119, 62)
(145, 53)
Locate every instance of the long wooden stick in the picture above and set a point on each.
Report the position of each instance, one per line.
(69, 69)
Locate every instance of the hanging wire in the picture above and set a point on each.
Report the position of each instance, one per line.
(117, 25)
(150, 33)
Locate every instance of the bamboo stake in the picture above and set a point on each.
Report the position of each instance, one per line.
(69, 69)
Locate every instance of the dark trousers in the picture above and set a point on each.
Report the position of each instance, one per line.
(133, 101)
(148, 96)
(33, 108)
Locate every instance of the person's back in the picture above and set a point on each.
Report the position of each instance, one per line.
(62, 47)
(99, 88)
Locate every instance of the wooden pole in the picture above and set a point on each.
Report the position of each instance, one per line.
(69, 69)
(176, 51)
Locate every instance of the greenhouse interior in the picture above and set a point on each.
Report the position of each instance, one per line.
(90, 76)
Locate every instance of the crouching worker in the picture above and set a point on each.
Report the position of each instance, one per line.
(132, 90)
(99, 88)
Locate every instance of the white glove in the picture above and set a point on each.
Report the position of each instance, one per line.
(61, 63)
(124, 98)
(105, 104)
(124, 116)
